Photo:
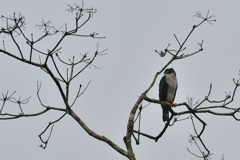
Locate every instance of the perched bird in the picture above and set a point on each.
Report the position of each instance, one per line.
(167, 91)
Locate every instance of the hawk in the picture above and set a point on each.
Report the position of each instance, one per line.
(167, 91)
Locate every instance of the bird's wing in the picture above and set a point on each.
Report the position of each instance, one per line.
(163, 86)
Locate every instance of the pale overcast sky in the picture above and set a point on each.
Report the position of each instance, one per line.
(134, 30)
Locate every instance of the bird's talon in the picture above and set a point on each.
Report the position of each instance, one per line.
(168, 103)
(171, 104)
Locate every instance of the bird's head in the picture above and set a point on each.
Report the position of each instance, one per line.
(169, 71)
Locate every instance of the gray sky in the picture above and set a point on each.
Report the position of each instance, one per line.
(133, 30)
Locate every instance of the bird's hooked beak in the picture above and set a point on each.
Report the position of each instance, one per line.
(166, 71)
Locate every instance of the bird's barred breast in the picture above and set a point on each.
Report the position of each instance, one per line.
(172, 86)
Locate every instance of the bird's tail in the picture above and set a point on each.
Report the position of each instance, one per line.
(165, 113)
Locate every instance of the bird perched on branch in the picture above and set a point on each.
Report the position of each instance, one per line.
(167, 91)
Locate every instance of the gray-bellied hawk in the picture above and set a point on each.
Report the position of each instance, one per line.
(167, 91)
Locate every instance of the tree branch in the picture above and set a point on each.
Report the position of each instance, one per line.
(95, 135)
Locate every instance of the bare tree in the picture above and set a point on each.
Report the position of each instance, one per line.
(49, 60)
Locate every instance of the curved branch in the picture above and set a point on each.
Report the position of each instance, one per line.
(95, 135)
(13, 116)
(15, 42)
(50, 123)
(16, 116)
